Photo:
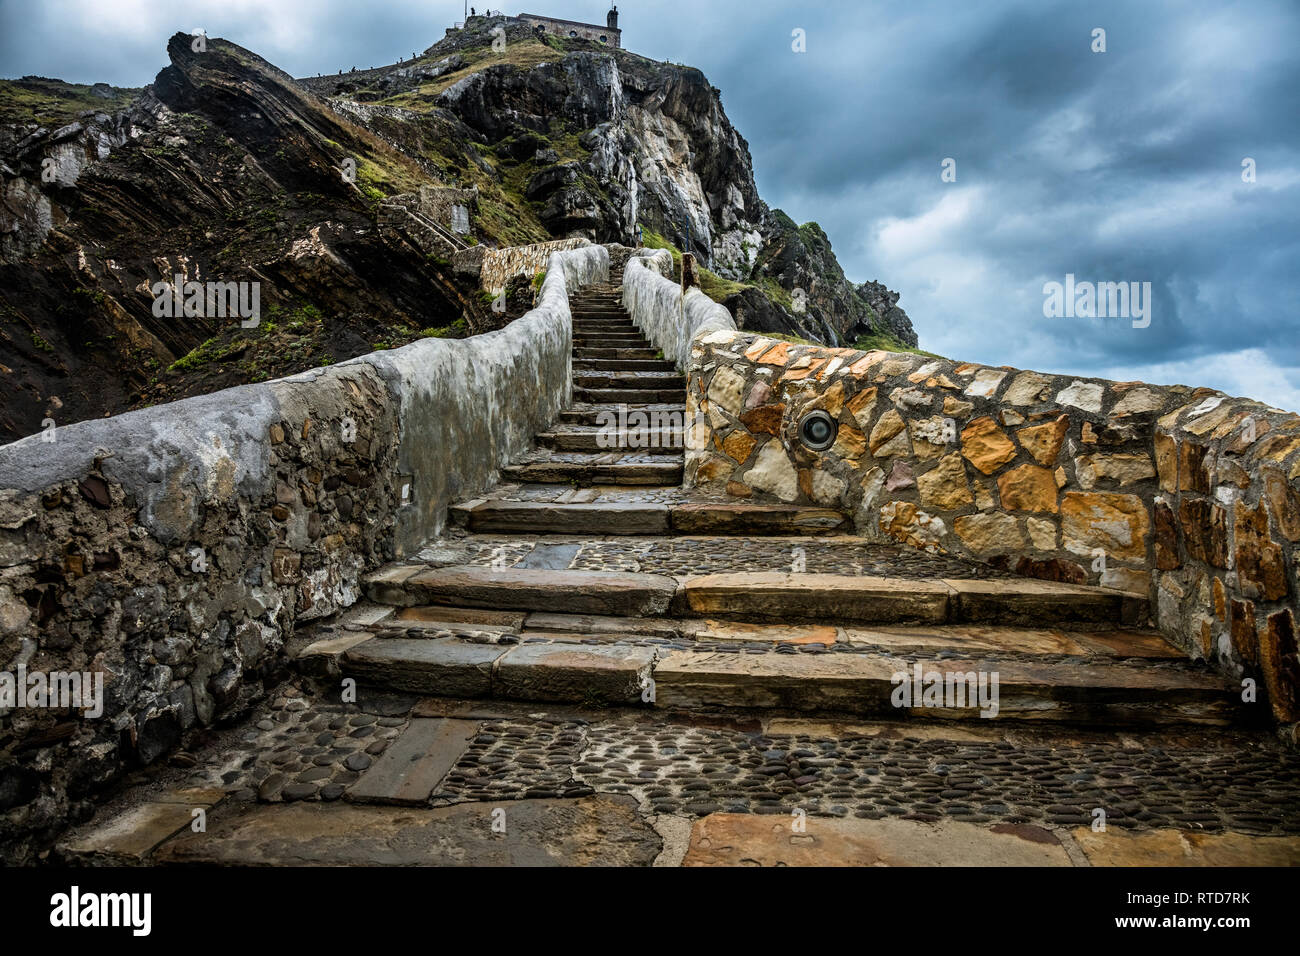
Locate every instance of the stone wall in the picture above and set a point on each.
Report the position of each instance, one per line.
(439, 203)
(658, 308)
(174, 549)
(611, 36)
(500, 265)
(1184, 495)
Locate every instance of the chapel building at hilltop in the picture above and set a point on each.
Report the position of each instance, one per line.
(609, 34)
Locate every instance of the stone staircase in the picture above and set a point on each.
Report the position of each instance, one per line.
(618, 377)
(589, 575)
(634, 672)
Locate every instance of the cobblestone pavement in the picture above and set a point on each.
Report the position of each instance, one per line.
(303, 748)
(707, 555)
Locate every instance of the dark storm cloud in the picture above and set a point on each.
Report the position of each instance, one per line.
(1115, 166)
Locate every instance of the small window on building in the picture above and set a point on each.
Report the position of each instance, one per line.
(604, 39)
(573, 33)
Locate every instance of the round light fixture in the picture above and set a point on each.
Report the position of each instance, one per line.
(817, 430)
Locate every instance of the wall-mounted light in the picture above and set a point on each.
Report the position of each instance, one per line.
(817, 430)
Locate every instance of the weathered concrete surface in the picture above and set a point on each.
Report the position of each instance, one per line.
(591, 831)
(729, 839)
(666, 317)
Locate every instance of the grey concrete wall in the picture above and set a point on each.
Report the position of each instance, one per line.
(173, 549)
(669, 319)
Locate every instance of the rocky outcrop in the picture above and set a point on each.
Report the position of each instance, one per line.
(226, 169)
(649, 143)
(223, 170)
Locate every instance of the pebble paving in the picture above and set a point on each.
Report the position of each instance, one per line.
(691, 770)
(299, 747)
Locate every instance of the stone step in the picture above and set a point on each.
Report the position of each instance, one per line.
(728, 518)
(630, 365)
(531, 589)
(648, 441)
(559, 666)
(630, 396)
(539, 517)
(599, 413)
(787, 597)
(776, 596)
(1088, 693)
(614, 340)
(586, 472)
(629, 518)
(615, 353)
(630, 380)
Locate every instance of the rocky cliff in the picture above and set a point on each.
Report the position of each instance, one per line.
(226, 169)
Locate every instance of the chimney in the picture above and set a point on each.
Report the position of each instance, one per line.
(611, 19)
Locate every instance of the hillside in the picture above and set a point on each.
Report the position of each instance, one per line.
(225, 168)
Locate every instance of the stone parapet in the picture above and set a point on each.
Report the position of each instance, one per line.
(1186, 496)
(174, 549)
(669, 318)
(500, 265)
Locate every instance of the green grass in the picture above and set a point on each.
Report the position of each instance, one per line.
(53, 103)
(887, 343)
(454, 331)
(205, 354)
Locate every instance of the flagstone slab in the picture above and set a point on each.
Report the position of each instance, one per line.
(129, 838)
(575, 673)
(730, 839)
(1119, 847)
(1028, 601)
(785, 597)
(414, 764)
(603, 830)
(580, 592)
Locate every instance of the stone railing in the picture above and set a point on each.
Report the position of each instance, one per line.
(173, 549)
(1186, 496)
(658, 308)
(501, 265)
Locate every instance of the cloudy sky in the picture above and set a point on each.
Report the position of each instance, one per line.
(1115, 166)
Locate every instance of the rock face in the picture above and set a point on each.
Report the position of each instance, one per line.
(648, 143)
(223, 170)
(226, 169)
